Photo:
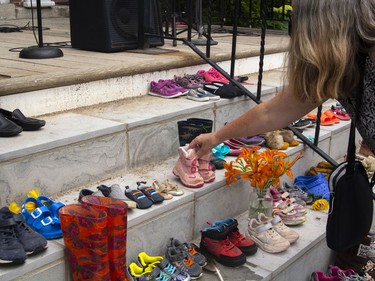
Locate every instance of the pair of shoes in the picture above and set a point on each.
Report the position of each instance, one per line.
(144, 196)
(155, 268)
(340, 113)
(201, 95)
(185, 257)
(190, 128)
(315, 185)
(216, 241)
(262, 231)
(212, 75)
(17, 239)
(280, 139)
(167, 189)
(336, 274)
(299, 194)
(217, 163)
(166, 89)
(327, 118)
(188, 81)
(303, 123)
(223, 90)
(290, 212)
(14, 122)
(42, 215)
(114, 191)
(191, 171)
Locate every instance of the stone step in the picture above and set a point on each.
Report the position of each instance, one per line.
(183, 217)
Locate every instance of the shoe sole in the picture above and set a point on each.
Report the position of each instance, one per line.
(241, 260)
(167, 97)
(187, 184)
(37, 250)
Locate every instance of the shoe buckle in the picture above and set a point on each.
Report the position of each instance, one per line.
(46, 221)
(36, 213)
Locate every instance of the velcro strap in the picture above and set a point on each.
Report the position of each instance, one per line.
(276, 219)
(56, 206)
(264, 227)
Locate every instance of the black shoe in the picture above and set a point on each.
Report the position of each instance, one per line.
(206, 123)
(11, 249)
(188, 131)
(31, 241)
(8, 128)
(27, 123)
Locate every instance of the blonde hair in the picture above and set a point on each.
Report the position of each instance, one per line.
(327, 37)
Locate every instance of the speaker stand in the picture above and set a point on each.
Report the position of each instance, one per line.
(40, 51)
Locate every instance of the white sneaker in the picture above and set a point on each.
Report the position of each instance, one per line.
(266, 237)
(280, 227)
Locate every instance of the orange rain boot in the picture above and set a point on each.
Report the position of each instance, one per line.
(86, 240)
(117, 217)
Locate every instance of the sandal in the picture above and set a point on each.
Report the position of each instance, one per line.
(151, 193)
(173, 188)
(53, 206)
(162, 189)
(138, 197)
(42, 220)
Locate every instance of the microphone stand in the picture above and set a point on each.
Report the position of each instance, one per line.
(40, 51)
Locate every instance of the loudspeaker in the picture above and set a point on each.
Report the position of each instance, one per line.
(112, 25)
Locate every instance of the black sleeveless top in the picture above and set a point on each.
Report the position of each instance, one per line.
(366, 123)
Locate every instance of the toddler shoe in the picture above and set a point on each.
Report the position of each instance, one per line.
(191, 250)
(280, 227)
(266, 237)
(186, 168)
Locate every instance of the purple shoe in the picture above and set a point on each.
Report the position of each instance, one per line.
(320, 276)
(166, 89)
(253, 140)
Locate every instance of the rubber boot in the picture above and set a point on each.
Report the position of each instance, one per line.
(206, 123)
(85, 236)
(117, 214)
(188, 131)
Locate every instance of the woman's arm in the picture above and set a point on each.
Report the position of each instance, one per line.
(273, 114)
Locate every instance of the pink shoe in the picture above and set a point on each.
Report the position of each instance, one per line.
(186, 168)
(213, 75)
(205, 169)
(320, 276)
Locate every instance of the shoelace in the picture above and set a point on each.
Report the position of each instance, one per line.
(188, 261)
(237, 234)
(7, 234)
(170, 269)
(162, 277)
(227, 244)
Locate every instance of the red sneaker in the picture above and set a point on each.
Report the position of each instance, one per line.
(214, 241)
(245, 244)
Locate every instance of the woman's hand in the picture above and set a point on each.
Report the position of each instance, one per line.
(203, 144)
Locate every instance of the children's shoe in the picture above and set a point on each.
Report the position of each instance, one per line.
(320, 276)
(186, 168)
(191, 250)
(152, 272)
(138, 197)
(175, 274)
(245, 244)
(205, 169)
(266, 237)
(182, 261)
(215, 242)
(212, 75)
(11, 249)
(166, 89)
(150, 192)
(208, 94)
(280, 227)
(196, 96)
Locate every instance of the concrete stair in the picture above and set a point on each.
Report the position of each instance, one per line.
(136, 139)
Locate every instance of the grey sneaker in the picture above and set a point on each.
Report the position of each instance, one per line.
(196, 96)
(208, 94)
(191, 250)
(182, 261)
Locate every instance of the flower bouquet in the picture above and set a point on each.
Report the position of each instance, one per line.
(263, 169)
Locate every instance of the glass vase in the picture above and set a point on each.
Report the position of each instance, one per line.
(260, 201)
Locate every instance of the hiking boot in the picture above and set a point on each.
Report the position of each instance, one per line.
(214, 241)
(245, 244)
(191, 250)
(187, 131)
(11, 249)
(183, 262)
(186, 168)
